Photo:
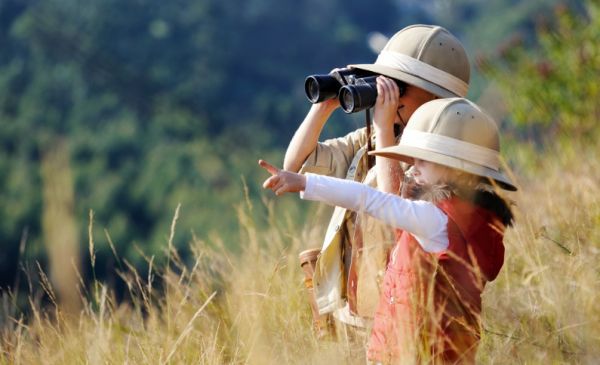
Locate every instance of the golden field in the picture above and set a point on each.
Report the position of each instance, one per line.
(250, 307)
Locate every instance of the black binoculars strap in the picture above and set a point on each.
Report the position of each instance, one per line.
(370, 159)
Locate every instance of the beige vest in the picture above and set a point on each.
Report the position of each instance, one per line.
(370, 246)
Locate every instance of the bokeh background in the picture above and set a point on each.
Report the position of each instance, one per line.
(130, 129)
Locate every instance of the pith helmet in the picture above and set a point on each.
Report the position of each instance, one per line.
(425, 56)
(452, 132)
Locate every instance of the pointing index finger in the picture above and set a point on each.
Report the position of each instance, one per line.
(267, 166)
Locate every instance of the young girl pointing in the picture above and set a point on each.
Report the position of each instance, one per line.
(450, 225)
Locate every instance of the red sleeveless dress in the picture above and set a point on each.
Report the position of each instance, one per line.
(430, 305)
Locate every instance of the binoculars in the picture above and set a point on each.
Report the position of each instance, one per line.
(356, 89)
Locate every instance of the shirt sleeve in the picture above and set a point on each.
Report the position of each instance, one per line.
(425, 221)
(334, 156)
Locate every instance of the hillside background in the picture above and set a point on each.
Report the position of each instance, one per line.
(130, 130)
(144, 105)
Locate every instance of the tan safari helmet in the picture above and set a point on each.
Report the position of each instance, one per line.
(425, 56)
(453, 132)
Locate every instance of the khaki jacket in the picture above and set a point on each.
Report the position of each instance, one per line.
(356, 279)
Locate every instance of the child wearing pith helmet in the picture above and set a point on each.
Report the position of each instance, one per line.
(449, 231)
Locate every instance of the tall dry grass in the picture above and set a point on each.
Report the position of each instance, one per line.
(250, 307)
(544, 307)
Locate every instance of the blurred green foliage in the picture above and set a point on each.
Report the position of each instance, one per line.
(551, 90)
(160, 103)
(167, 103)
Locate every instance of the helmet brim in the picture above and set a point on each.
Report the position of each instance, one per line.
(409, 153)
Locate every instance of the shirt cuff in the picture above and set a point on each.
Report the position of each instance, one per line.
(308, 192)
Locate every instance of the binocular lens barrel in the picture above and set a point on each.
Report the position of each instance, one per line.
(321, 87)
(361, 96)
(355, 89)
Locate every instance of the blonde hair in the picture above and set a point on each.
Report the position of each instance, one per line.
(462, 179)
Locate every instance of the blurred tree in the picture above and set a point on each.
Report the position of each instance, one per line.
(172, 102)
(551, 89)
(161, 103)
(483, 25)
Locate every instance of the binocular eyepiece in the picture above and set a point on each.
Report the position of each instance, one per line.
(355, 89)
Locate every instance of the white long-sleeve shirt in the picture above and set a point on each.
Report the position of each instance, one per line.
(425, 221)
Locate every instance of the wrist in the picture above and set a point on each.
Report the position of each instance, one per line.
(383, 128)
(384, 138)
(384, 131)
(324, 107)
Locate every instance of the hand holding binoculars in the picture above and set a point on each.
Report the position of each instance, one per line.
(356, 89)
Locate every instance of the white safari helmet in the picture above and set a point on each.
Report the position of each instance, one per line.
(452, 132)
(425, 56)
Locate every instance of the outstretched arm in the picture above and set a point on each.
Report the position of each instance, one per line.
(421, 218)
(426, 221)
